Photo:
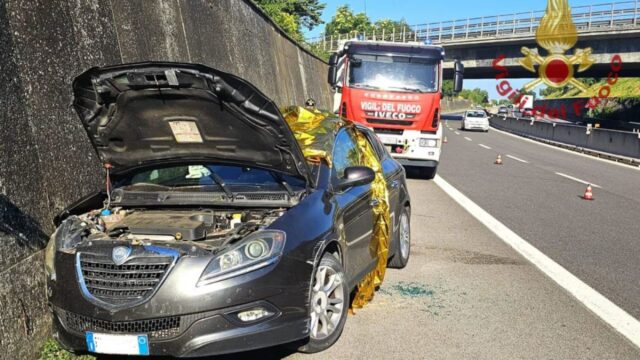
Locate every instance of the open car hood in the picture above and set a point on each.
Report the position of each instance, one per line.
(153, 112)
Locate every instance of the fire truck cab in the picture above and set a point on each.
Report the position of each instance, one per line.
(395, 89)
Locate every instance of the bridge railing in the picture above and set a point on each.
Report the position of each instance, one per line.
(622, 15)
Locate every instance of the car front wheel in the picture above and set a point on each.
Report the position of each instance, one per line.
(328, 306)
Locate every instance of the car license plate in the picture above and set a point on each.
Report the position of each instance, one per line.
(117, 344)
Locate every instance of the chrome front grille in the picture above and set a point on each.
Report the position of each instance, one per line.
(130, 282)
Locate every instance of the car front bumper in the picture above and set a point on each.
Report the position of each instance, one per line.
(412, 154)
(207, 334)
(476, 126)
(183, 320)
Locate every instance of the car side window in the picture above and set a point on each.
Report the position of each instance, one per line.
(345, 153)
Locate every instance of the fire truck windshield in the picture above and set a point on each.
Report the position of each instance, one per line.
(394, 73)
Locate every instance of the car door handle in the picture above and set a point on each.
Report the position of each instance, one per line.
(395, 184)
(374, 202)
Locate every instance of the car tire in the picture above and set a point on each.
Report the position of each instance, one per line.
(403, 241)
(323, 334)
(428, 173)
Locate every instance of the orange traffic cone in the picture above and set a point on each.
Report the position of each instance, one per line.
(498, 160)
(445, 140)
(588, 194)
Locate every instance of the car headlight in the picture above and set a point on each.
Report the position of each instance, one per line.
(428, 143)
(50, 257)
(260, 249)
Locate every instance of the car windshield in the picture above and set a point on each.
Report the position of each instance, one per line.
(209, 175)
(475, 114)
(397, 73)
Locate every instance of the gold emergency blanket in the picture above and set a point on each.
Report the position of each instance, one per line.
(315, 133)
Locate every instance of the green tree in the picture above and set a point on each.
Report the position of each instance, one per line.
(447, 88)
(293, 15)
(389, 27)
(477, 96)
(345, 21)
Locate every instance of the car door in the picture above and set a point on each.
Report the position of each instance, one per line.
(393, 173)
(356, 208)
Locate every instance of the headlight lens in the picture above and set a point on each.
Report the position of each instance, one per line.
(256, 251)
(428, 143)
(49, 258)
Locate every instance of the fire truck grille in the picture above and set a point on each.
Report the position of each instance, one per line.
(390, 122)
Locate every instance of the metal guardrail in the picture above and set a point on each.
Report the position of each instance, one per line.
(622, 146)
(623, 15)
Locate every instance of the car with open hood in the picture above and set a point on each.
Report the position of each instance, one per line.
(220, 228)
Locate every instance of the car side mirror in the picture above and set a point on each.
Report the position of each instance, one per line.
(356, 176)
(458, 76)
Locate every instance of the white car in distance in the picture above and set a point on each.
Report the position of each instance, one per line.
(475, 120)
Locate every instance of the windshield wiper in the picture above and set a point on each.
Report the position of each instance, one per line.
(365, 86)
(283, 183)
(218, 180)
(404, 88)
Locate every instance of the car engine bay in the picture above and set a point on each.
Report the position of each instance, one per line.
(206, 229)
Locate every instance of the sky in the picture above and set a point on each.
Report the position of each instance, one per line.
(428, 11)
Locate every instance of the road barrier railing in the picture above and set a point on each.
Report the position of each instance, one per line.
(620, 16)
(623, 146)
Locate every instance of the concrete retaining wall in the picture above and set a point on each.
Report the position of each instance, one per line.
(621, 143)
(46, 161)
(450, 105)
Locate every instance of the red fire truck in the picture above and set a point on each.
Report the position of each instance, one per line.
(395, 89)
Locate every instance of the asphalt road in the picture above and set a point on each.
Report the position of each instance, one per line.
(540, 199)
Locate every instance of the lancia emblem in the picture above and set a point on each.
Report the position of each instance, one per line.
(120, 254)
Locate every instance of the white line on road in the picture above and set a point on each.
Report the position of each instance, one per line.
(609, 312)
(457, 133)
(485, 146)
(467, 138)
(578, 180)
(517, 159)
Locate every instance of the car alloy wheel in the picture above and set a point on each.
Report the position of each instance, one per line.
(405, 235)
(327, 302)
(402, 241)
(328, 305)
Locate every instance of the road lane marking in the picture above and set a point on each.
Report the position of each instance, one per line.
(632, 167)
(606, 310)
(457, 133)
(467, 138)
(517, 159)
(578, 180)
(485, 146)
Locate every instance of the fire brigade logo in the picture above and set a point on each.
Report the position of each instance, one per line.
(557, 34)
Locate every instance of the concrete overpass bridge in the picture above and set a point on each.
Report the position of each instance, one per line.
(609, 29)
